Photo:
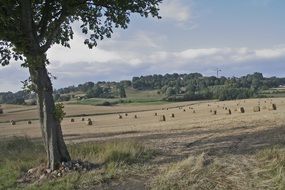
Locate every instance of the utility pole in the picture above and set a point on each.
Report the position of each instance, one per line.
(218, 70)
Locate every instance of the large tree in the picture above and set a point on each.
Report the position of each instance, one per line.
(28, 28)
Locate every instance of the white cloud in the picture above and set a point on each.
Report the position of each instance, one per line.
(197, 53)
(231, 55)
(270, 53)
(158, 56)
(175, 10)
(11, 77)
(80, 52)
(140, 40)
(112, 50)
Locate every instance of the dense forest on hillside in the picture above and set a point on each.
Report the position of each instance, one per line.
(174, 87)
(195, 86)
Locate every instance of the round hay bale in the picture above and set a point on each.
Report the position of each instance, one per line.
(126, 114)
(162, 118)
(184, 110)
(241, 110)
(272, 107)
(72, 120)
(256, 109)
(89, 122)
(172, 115)
(1, 111)
(120, 117)
(226, 108)
(13, 122)
(82, 119)
(229, 112)
(135, 116)
(29, 122)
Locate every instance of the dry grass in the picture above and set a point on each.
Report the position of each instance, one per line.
(122, 152)
(20, 113)
(115, 159)
(264, 170)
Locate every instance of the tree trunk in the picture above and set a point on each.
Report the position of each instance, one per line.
(50, 126)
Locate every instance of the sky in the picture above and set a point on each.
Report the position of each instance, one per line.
(238, 37)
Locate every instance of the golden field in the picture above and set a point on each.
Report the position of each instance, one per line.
(195, 148)
(185, 127)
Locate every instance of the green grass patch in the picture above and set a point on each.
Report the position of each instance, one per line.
(16, 157)
(273, 93)
(145, 101)
(116, 159)
(120, 152)
(264, 170)
(115, 101)
(150, 97)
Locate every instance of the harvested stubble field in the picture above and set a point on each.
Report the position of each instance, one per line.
(228, 145)
(19, 113)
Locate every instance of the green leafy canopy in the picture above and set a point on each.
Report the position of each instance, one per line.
(31, 27)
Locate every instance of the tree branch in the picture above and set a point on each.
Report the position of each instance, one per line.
(46, 15)
(27, 25)
(55, 29)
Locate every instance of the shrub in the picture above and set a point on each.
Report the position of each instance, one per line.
(59, 112)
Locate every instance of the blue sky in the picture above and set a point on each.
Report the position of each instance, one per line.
(237, 36)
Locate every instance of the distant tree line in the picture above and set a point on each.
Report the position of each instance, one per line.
(92, 90)
(20, 97)
(195, 86)
(174, 87)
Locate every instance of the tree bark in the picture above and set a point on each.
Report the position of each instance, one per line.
(50, 126)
